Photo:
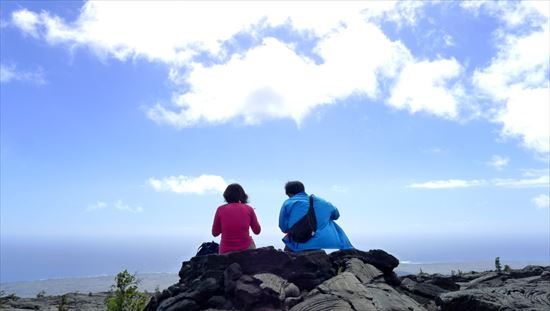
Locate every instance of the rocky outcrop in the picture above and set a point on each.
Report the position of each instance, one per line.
(519, 290)
(67, 302)
(270, 279)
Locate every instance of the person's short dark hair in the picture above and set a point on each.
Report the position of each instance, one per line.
(234, 193)
(294, 187)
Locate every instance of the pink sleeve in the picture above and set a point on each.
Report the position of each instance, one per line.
(217, 225)
(254, 224)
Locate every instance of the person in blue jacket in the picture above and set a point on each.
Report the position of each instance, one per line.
(328, 235)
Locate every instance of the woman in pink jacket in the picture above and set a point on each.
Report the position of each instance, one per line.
(233, 219)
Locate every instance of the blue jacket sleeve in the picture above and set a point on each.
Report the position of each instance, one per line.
(283, 219)
(334, 214)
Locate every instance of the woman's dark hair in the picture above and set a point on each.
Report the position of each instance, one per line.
(294, 187)
(234, 193)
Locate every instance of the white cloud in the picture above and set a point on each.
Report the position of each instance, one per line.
(27, 21)
(539, 181)
(121, 206)
(448, 39)
(518, 76)
(97, 206)
(448, 184)
(498, 162)
(9, 73)
(274, 81)
(173, 31)
(118, 205)
(183, 184)
(428, 86)
(512, 13)
(541, 201)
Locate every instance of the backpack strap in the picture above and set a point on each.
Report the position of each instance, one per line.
(312, 220)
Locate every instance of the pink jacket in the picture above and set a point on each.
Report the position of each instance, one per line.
(232, 222)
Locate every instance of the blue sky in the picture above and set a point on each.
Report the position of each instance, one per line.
(416, 119)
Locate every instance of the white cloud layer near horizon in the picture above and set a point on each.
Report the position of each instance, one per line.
(189, 185)
(542, 181)
(274, 80)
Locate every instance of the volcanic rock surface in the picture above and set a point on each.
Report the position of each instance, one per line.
(270, 279)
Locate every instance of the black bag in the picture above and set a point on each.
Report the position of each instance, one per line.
(305, 228)
(208, 248)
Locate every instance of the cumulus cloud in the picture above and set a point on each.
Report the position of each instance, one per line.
(275, 82)
(274, 79)
(518, 76)
(117, 205)
(429, 86)
(541, 201)
(10, 73)
(27, 21)
(189, 28)
(498, 162)
(349, 54)
(189, 185)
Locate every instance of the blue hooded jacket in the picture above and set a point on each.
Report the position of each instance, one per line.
(328, 235)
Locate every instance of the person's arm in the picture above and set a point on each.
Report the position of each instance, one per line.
(254, 224)
(217, 225)
(334, 214)
(283, 219)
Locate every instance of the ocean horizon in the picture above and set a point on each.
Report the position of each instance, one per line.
(39, 260)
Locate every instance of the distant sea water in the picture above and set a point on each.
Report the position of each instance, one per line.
(60, 266)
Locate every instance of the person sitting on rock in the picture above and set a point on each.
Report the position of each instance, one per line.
(233, 219)
(328, 234)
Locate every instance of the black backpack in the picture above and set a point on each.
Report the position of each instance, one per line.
(208, 248)
(305, 228)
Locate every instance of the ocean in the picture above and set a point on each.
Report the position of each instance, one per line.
(29, 266)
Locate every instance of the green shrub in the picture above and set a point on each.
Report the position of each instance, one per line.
(507, 269)
(497, 264)
(126, 296)
(62, 304)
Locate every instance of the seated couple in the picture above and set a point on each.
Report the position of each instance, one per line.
(233, 219)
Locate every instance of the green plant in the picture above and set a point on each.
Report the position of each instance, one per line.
(126, 296)
(507, 269)
(497, 264)
(62, 304)
(41, 294)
